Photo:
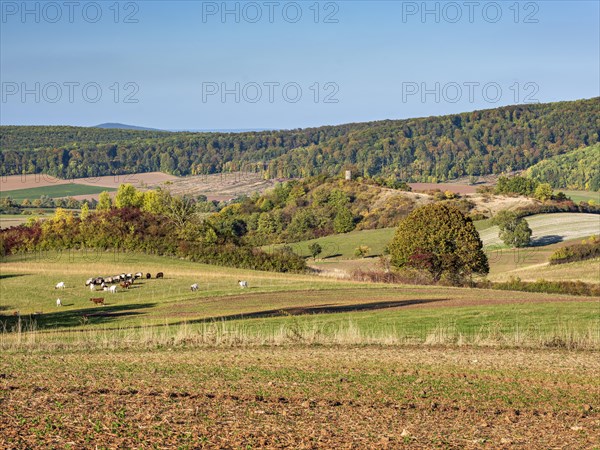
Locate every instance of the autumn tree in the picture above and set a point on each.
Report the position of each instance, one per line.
(513, 230)
(104, 201)
(343, 221)
(128, 196)
(543, 192)
(441, 240)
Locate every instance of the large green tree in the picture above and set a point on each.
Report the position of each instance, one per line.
(440, 239)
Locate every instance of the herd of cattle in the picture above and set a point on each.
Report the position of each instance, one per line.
(124, 280)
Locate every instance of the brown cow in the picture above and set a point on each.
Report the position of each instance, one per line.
(97, 301)
(126, 284)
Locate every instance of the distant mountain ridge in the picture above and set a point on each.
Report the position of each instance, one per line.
(122, 126)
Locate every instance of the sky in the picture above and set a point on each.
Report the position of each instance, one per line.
(199, 65)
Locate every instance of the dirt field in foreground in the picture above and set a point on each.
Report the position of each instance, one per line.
(301, 398)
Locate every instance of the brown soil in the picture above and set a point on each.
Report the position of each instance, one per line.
(15, 182)
(301, 398)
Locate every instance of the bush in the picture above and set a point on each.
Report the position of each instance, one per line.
(407, 276)
(577, 252)
(362, 251)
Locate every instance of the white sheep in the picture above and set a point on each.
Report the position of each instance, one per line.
(58, 302)
(60, 285)
(243, 284)
(194, 287)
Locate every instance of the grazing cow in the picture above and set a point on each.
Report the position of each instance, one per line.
(138, 275)
(89, 281)
(58, 302)
(125, 284)
(194, 287)
(112, 289)
(148, 276)
(109, 280)
(160, 275)
(60, 285)
(97, 301)
(243, 284)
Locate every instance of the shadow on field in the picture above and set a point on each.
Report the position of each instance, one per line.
(319, 309)
(12, 275)
(75, 317)
(546, 240)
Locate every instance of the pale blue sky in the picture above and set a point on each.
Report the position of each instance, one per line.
(173, 52)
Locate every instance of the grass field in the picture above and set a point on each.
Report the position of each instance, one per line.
(277, 308)
(583, 196)
(547, 229)
(61, 190)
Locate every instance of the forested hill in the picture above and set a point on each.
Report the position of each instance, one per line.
(424, 149)
(578, 169)
(39, 137)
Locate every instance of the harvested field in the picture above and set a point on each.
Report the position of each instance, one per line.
(148, 179)
(16, 182)
(223, 186)
(301, 398)
(551, 228)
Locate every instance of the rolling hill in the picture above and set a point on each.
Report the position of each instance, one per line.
(424, 149)
(578, 169)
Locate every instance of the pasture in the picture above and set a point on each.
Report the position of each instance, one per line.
(55, 191)
(547, 229)
(311, 308)
(582, 196)
(293, 361)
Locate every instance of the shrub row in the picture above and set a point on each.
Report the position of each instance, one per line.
(514, 284)
(548, 287)
(577, 252)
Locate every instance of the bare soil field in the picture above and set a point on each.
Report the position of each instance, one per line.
(16, 182)
(301, 397)
(223, 186)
